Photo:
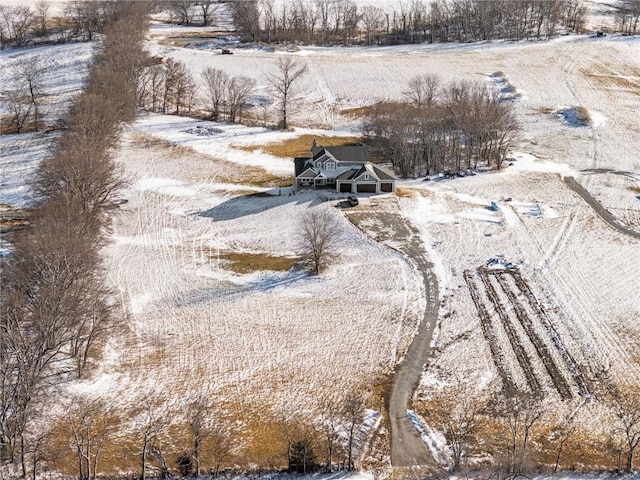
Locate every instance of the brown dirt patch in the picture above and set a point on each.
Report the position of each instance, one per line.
(301, 146)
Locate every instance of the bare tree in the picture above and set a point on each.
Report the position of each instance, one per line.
(42, 16)
(215, 89)
(207, 11)
(353, 417)
(182, 10)
(15, 24)
(423, 90)
(318, 233)
(458, 412)
(372, 20)
(238, 91)
(19, 106)
(283, 82)
(520, 414)
(30, 77)
(179, 86)
(89, 425)
(151, 424)
(625, 403)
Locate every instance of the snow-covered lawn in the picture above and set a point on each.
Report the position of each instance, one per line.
(264, 338)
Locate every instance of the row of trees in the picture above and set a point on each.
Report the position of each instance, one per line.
(202, 438)
(343, 22)
(627, 18)
(523, 434)
(443, 128)
(168, 86)
(55, 308)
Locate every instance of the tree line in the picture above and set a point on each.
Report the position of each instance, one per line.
(343, 22)
(523, 434)
(167, 86)
(55, 307)
(443, 128)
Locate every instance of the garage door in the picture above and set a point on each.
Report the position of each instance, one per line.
(386, 187)
(367, 188)
(345, 187)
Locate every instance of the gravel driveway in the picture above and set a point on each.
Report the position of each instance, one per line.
(408, 450)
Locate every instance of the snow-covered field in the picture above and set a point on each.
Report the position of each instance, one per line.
(283, 339)
(264, 338)
(66, 69)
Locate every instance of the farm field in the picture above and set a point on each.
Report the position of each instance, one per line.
(538, 293)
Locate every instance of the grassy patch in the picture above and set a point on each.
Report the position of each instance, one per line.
(383, 108)
(583, 116)
(301, 146)
(404, 192)
(545, 110)
(243, 263)
(634, 188)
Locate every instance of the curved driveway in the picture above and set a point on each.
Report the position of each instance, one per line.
(602, 212)
(408, 450)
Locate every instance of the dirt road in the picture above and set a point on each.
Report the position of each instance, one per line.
(408, 450)
(602, 212)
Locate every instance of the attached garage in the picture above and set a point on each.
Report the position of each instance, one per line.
(386, 187)
(345, 188)
(366, 188)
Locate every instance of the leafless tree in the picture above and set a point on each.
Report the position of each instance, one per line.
(88, 17)
(215, 89)
(207, 11)
(89, 424)
(353, 418)
(318, 233)
(182, 10)
(19, 105)
(423, 90)
(29, 78)
(520, 414)
(458, 413)
(238, 91)
(15, 24)
(283, 81)
(625, 403)
(372, 20)
(151, 424)
(42, 16)
(565, 423)
(247, 18)
(179, 86)
(331, 429)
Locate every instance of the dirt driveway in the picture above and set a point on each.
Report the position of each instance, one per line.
(390, 228)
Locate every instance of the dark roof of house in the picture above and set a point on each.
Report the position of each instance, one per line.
(299, 165)
(350, 153)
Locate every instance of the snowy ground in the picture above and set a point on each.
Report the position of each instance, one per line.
(287, 339)
(67, 66)
(264, 338)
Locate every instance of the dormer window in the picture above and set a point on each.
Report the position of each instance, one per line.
(366, 176)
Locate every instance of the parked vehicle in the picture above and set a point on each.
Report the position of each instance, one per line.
(352, 200)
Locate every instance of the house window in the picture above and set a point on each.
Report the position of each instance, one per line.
(366, 176)
(331, 180)
(330, 166)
